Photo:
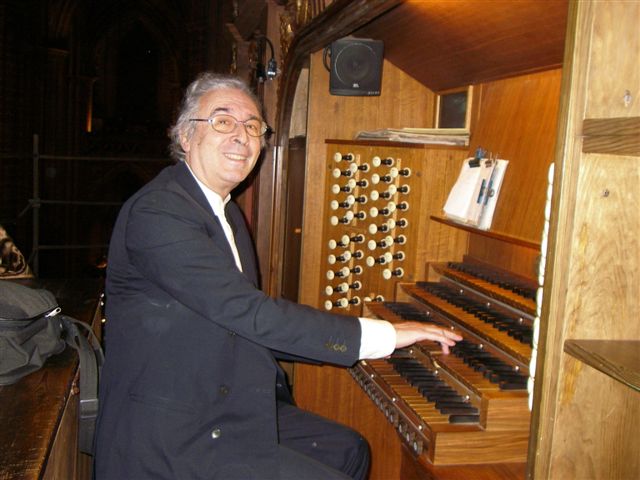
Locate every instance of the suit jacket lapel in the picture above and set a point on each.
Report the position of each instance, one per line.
(244, 244)
(185, 179)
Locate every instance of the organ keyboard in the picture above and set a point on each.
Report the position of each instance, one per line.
(469, 406)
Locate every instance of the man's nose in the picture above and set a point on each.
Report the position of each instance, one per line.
(240, 132)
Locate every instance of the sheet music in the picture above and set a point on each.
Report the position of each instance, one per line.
(442, 136)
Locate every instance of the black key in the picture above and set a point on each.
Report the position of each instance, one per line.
(468, 410)
(452, 403)
(513, 385)
(439, 395)
(464, 418)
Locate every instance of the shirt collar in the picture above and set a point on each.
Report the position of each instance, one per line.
(216, 201)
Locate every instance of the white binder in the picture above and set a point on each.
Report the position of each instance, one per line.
(473, 198)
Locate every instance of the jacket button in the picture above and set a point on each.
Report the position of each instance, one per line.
(224, 390)
(216, 433)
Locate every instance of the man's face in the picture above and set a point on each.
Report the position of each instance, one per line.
(222, 160)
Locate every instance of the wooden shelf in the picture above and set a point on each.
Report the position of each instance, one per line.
(620, 359)
(523, 242)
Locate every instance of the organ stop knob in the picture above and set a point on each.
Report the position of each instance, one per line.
(340, 303)
(388, 273)
(347, 157)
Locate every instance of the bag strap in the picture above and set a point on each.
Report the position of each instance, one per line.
(91, 360)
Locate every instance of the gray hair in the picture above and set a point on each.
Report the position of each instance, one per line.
(202, 85)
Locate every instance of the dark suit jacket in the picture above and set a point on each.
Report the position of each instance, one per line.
(188, 389)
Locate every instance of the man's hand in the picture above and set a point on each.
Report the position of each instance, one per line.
(408, 333)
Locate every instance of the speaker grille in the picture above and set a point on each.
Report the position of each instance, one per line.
(356, 67)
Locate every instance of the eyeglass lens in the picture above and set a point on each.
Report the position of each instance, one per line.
(226, 124)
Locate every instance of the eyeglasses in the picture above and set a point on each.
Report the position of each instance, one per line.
(224, 123)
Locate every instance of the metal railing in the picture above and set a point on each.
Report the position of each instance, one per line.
(36, 202)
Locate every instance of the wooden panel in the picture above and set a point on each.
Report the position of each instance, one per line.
(598, 420)
(332, 392)
(411, 470)
(447, 44)
(560, 245)
(517, 121)
(293, 224)
(601, 303)
(604, 278)
(607, 89)
(438, 242)
(584, 423)
(484, 447)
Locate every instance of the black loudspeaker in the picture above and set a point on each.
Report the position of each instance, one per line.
(356, 67)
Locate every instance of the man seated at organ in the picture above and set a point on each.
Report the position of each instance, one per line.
(191, 387)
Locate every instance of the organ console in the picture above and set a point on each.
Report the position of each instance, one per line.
(468, 406)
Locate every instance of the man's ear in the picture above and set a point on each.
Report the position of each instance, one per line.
(184, 142)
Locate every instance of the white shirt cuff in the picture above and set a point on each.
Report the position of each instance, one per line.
(378, 338)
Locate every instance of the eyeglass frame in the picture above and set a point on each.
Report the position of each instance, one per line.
(267, 129)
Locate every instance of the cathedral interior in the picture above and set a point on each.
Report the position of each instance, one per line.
(89, 88)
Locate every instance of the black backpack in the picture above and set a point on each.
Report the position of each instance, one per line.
(32, 329)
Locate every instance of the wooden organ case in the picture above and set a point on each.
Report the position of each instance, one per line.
(383, 242)
(568, 110)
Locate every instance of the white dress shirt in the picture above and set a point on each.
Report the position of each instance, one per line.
(378, 338)
(217, 205)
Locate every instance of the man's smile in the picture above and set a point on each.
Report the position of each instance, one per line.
(236, 156)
